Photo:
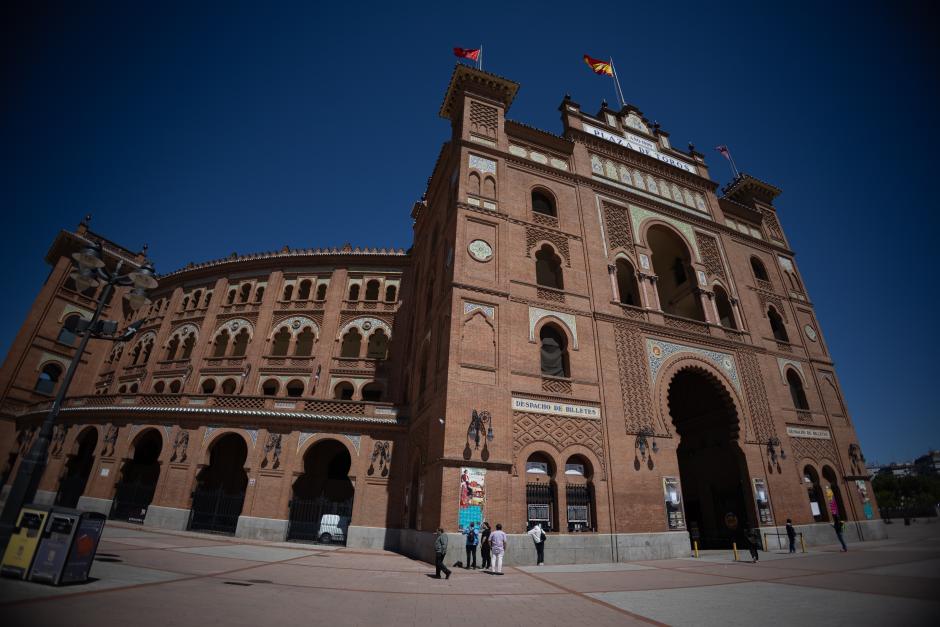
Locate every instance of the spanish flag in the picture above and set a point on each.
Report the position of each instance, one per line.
(599, 67)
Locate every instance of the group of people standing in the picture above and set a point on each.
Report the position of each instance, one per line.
(492, 544)
(753, 540)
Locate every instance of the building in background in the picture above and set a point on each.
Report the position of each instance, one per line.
(584, 335)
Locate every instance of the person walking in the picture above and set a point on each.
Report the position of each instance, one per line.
(791, 535)
(485, 532)
(538, 537)
(440, 550)
(752, 538)
(473, 539)
(498, 544)
(839, 525)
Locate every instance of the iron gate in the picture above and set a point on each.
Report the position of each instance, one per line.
(215, 510)
(540, 504)
(131, 501)
(70, 490)
(306, 520)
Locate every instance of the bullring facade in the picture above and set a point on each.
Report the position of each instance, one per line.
(584, 335)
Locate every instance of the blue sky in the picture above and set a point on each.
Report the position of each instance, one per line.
(203, 132)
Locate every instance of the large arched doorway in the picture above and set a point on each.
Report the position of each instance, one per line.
(220, 487)
(134, 492)
(77, 469)
(321, 507)
(712, 468)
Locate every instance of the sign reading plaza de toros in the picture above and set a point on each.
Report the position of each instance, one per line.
(559, 409)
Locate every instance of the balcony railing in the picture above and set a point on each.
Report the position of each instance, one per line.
(686, 324)
(369, 305)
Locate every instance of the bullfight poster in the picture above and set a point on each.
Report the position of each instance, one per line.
(472, 497)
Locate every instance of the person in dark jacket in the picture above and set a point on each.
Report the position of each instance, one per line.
(752, 538)
(473, 539)
(485, 545)
(440, 550)
(791, 535)
(839, 526)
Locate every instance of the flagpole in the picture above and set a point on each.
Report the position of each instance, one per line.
(481, 58)
(613, 68)
(734, 166)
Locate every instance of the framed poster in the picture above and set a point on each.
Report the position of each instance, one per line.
(863, 495)
(472, 497)
(672, 493)
(762, 499)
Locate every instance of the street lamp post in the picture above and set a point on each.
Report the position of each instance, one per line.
(89, 272)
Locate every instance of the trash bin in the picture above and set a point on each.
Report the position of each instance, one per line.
(54, 547)
(84, 546)
(25, 540)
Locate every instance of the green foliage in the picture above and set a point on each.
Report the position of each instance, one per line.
(914, 491)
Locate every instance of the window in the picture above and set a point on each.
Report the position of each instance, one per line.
(304, 346)
(391, 293)
(295, 389)
(245, 293)
(221, 343)
(188, 344)
(321, 291)
(259, 294)
(228, 386)
(352, 343)
(185, 304)
(172, 347)
(372, 290)
(270, 387)
(159, 386)
(627, 284)
(372, 392)
(67, 333)
(354, 291)
(231, 297)
(48, 379)
(725, 311)
(288, 292)
(135, 354)
(208, 298)
(797, 393)
(148, 348)
(240, 345)
(175, 386)
(303, 292)
(343, 391)
(208, 386)
(378, 345)
(548, 268)
(554, 352)
(544, 204)
(134, 388)
(776, 325)
(197, 296)
(672, 264)
(281, 342)
(760, 272)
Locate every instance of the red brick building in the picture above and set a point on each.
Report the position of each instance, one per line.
(641, 351)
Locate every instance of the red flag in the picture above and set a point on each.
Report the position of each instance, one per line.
(724, 151)
(467, 53)
(599, 66)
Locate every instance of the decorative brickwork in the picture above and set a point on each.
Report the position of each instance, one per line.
(756, 395)
(534, 235)
(335, 409)
(483, 119)
(815, 449)
(772, 225)
(552, 385)
(619, 230)
(769, 298)
(634, 378)
(559, 432)
(711, 256)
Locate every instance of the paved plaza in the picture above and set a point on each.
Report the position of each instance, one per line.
(144, 577)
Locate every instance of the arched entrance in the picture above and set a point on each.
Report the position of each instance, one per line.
(134, 492)
(817, 503)
(220, 487)
(321, 507)
(833, 493)
(541, 492)
(77, 469)
(712, 468)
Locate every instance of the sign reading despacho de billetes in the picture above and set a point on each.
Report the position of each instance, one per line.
(559, 409)
(808, 432)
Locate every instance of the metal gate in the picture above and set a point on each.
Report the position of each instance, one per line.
(71, 489)
(307, 520)
(540, 504)
(215, 511)
(131, 501)
(579, 502)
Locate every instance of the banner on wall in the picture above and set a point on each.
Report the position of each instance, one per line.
(472, 497)
(866, 502)
(672, 494)
(831, 499)
(762, 500)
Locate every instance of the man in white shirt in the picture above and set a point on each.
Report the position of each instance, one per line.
(538, 537)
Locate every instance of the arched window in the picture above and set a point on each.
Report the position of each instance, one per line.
(259, 294)
(548, 268)
(757, 267)
(372, 290)
(148, 348)
(473, 185)
(135, 354)
(372, 392)
(188, 344)
(489, 187)
(122, 389)
(172, 346)
(378, 345)
(288, 292)
(67, 333)
(354, 291)
(638, 179)
(240, 345)
(184, 305)
(221, 343)
(725, 311)
(207, 300)
(245, 293)
(343, 391)
(627, 284)
(159, 386)
(231, 296)
(270, 387)
(197, 296)
(580, 494)
(134, 388)
(303, 292)
(281, 342)
(544, 204)
(776, 325)
(391, 294)
(304, 346)
(554, 355)
(116, 353)
(672, 264)
(352, 343)
(48, 379)
(208, 386)
(321, 291)
(175, 386)
(228, 386)
(797, 393)
(295, 389)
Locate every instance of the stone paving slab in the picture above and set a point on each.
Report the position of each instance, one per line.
(104, 576)
(924, 568)
(909, 587)
(248, 552)
(766, 604)
(178, 561)
(635, 580)
(583, 568)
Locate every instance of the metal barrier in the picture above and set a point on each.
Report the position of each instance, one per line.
(784, 544)
(215, 511)
(131, 501)
(306, 522)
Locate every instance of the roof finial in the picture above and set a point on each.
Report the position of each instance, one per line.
(87, 220)
(691, 147)
(604, 103)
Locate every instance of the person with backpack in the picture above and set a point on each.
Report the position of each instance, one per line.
(538, 537)
(498, 544)
(440, 550)
(752, 539)
(485, 532)
(473, 539)
(839, 525)
(791, 535)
